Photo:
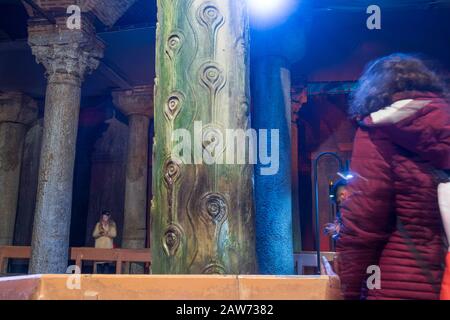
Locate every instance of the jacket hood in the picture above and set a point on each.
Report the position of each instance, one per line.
(405, 105)
(418, 122)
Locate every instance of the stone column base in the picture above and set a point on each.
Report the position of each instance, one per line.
(173, 287)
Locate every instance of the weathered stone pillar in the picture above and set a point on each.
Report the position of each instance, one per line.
(28, 184)
(16, 112)
(272, 101)
(108, 174)
(91, 127)
(272, 110)
(202, 214)
(137, 105)
(67, 56)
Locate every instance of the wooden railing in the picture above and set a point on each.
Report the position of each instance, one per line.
(7, 252)
(119, 256)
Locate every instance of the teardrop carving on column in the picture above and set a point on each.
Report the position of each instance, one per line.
(173, 105)
(174, 43)
(209, 15)
(214, 268)
(212, 76)
(213, 208)
(172, 239)
(172, 172)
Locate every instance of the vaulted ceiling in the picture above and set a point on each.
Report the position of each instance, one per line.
(337, 42)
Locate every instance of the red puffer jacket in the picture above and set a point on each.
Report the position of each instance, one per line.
(394, 153)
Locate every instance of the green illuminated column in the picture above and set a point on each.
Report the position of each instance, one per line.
(202, 215)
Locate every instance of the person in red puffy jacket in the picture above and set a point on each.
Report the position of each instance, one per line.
(391, 218)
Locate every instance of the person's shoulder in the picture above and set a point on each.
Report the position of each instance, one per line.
(439, 107)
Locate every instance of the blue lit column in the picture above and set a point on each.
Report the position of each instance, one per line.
(273, 193)
(271, 99)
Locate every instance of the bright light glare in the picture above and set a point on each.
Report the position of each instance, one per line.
(266, 7)
(270, 11)
(346, 176)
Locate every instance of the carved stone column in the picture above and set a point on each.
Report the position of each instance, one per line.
(137, 105)
(202, 215)
(108, 174)
(16, 112)
(67, 56)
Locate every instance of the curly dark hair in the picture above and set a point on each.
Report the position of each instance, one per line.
(389, 75)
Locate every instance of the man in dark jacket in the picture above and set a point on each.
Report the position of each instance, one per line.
(391, 218)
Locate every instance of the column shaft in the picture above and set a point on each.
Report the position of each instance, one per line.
(272, 104)
(28, 184)
(16, 112)
(202, 214)
(54, 196)
(137, 105)
(11, 146)
(135, 218)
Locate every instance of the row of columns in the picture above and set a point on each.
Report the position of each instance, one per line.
(67, 56)
(203, 216)
(213, 232)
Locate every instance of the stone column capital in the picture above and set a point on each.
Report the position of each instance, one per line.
(67, 55)
(137, 101)
(18, 108)
(107, 11)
